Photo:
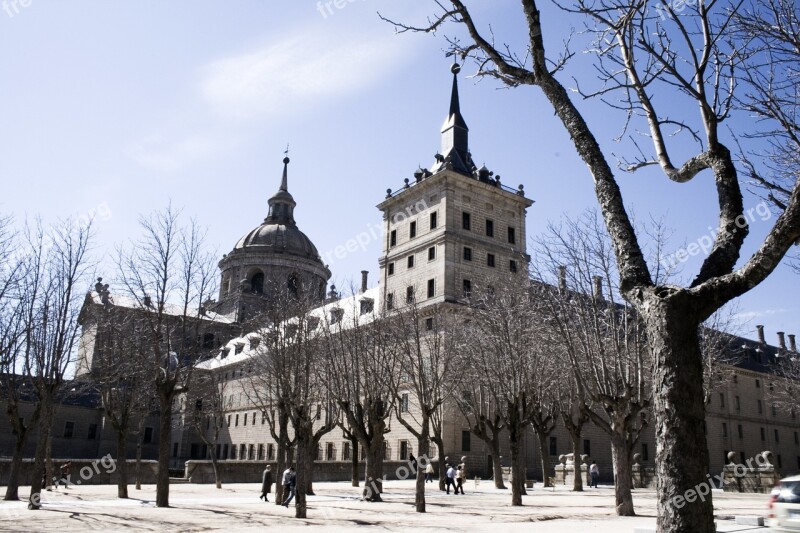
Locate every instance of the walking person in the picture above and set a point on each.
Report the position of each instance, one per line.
(289, 483)
(450, 479)
(65, 475)
(266, 483)
(594, 471)
(429, 473)
(460, 476)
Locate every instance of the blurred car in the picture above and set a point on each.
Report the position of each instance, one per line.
(784, 505)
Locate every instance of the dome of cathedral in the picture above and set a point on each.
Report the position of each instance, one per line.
(279, 238)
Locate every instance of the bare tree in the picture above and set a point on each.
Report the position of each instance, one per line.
(485, 419)
(59, 265)
(362, 376)
(503, 348)
(167, 275)
(685, 51)
(603, 339)
(423, 337)
(120, 373)
(208, 414)
(14, 388)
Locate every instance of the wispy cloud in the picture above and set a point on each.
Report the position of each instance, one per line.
(304, 71)
(163, 154)
(747, 316)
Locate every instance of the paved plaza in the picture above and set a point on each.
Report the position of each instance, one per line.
(336, 507)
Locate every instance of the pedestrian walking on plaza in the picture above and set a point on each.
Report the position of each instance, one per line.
(594, 471)
(266, 483)
(429, 473)
(450, 479)
(460, 473)
(64, 477)
(289, 483)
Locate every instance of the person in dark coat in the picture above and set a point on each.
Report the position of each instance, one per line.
(266, 483)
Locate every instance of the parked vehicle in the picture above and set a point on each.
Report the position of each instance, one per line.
(784, 506)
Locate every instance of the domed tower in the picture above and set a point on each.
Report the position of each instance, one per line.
(272, 264)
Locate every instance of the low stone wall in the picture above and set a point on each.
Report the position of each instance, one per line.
(84, 471)
(233, 471)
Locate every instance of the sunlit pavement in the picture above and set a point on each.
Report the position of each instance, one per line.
(337, 507)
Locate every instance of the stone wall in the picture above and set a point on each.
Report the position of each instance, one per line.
(85, 471)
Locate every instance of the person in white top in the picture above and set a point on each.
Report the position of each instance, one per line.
(450, 479)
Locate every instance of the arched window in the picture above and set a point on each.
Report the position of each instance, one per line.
(257, 283)
(293, 284)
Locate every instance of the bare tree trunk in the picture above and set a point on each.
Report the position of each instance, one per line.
(122, 464)
(373, 483)
(12, 490)
(139, 460)
(39, 466)
(681, 453)
(516, 442)
(164, 438)
(422, 444)
(281, 465)
(545, 453)
(305, 456)
(623, 480)
(439, 442)
(577, 484)
(355, 478)
(49, 470)
(215, 466)
(497, 466)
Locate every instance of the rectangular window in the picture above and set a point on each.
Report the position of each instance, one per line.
(92, 432)
(263, 417)
(721, 399)
(69, 429)
(237, 421)
(645, 452)
(429, 324)
(466, 221)
(367, 305)
(780, 462)
(390, 301)
(433, 221)
(490, 260)
(741, 431)
(393, 238)
(724, 429)
(431, 288)
(409, 295)
(777, 436)
(763, 434)
(465, 441)
(774, 410)
(467, 254)
(412, 230)
(244, 419)
(345, 451)
(403, 450)
(759, 406)
(553, 446)
(330, 452)
(225, 451)
(587, 447)
(174, 449)
(512, 238)
(390, 269)
(148, 435)
(404, 403)
(260, 452)
(319, 411)
(489, 228)
(738, 404)
(467, 288)
(512, 266)
(410, 261)
(242, 452)
(758, 383)
(431, 253)
(270, 452)
(233, 451)
(252, 452)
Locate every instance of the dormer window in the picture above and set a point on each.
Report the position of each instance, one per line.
(367, 305)
(239, 347)
(336, 315)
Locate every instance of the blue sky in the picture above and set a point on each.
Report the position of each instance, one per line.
(116, 108)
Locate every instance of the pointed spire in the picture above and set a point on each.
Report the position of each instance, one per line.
(455, 133)
(281, 205)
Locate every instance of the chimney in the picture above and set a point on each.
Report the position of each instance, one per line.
(792, 344)
(364, 274)
(761, 338)
(562, 278)
(781, 340)
(598, 287)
